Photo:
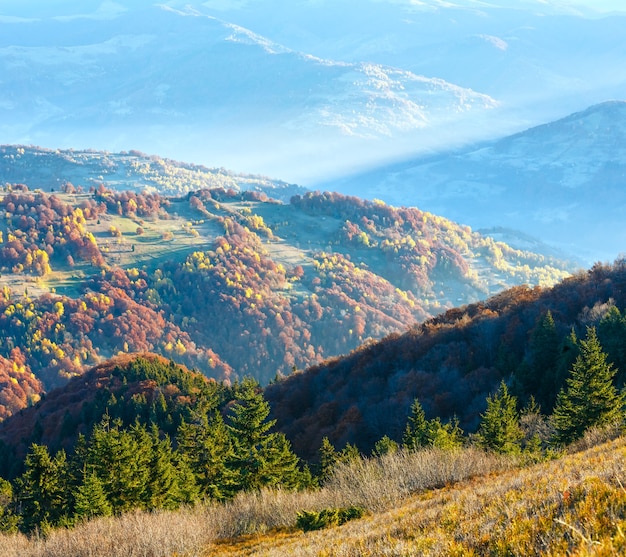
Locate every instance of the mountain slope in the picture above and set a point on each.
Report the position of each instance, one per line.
(532, 511)
(552, 181)
(230, 283)
(141, 387)
(541, 60)
(452, 362)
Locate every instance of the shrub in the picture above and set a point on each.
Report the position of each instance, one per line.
(316, 520)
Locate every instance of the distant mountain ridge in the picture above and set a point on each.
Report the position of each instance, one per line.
(562, 182)
(52, 169)
(179, 80)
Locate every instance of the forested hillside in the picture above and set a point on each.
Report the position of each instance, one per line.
(229, 283)
(138, 433)
(529, 337)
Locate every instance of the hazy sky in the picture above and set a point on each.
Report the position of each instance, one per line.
(34, 4)
(600, 5)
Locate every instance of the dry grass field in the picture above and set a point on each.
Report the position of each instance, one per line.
(429, 503)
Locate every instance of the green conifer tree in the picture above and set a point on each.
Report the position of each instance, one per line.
(541, 372)
(121, 460)
(260, 458)
(42, 490)
(385, 445)
(207, 447)
(416, 433)
(499, 428)
(421, 432)
(163, 489)
(611, 333)
(446, 435)
(350, 453)
(589, 398)
(90, 500)
(8, 520)
(328, 459)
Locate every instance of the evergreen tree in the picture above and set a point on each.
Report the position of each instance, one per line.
(499, 428)
(416, 433)
(328, 459)
(349, 453)
(121, 460)
(612, 336)
(568, 352)
(589, 398)
(207, 447)
(8, 520)
(539, 375)
(421, 432)
(42, 490)
(260, 458)
(90, 500)
(163, 489)
(446, 435)
(384, 446)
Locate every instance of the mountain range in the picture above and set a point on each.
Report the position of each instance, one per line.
(450, 363)
(195, 360)
(550, 181)
(262, 86)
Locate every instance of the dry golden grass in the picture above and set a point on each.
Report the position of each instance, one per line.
(430, 503)
(373, 484)
(572, 506)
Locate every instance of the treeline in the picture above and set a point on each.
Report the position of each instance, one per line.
(47, 168)
(529, 337)
(130, 203)
(167, 438)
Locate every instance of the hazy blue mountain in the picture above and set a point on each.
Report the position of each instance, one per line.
(182, 82)
(540, 59)
(563, 182)
(298, 90)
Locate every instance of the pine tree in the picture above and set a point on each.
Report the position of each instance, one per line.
(163, 489)
(328, 459)
(416, 433)
(42, 490)
(446, 435)
(385, 445)
(260, 458)
(611, 333)
(90, 499)
(421, 432)
(589, 398)
(499, 428)
(121, 460)
(8, 520)
(207, 447)
(539, 375)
